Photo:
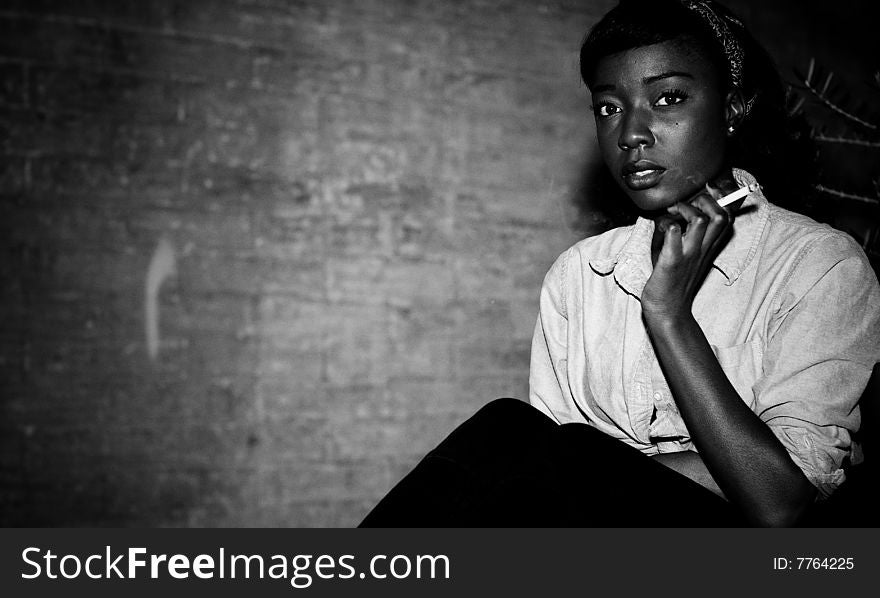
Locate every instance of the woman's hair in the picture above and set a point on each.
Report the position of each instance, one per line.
(771, 145)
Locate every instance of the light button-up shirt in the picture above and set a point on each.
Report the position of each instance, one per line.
(791, 309)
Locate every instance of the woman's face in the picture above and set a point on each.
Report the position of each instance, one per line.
(661, 122)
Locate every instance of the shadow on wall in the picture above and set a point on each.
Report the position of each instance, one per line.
(597, 201)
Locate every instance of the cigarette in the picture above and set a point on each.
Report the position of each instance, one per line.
(738, 194)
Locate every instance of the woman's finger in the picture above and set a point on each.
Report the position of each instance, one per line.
(697, 222)
(671, 251)
(719, 220)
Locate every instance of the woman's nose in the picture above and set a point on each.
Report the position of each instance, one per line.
(635, 131)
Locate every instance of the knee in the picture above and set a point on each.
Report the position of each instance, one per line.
(501, 406)
(497, 425)
(510, 420)
(495, 415)
(512, 413)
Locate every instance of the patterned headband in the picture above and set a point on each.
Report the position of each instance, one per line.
(732, 49)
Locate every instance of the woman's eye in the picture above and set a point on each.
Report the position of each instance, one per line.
(605, 109)
(670, 98)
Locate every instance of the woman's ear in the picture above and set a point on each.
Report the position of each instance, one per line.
(734, 110)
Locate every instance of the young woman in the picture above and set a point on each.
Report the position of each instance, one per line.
(701, 366)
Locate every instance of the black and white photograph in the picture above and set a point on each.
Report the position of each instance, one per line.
(406, 264)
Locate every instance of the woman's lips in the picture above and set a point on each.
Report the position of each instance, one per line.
(638, 180)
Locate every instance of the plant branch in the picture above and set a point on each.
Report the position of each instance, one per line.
(821, 95)
(845, 195)
(847, 140)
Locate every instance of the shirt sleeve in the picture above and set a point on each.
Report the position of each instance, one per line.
(823, 343)
(548, 378)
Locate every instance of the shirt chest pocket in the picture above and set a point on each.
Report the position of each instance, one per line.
(742, 364)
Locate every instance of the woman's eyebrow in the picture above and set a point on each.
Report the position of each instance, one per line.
(666, 75)
(645, 81)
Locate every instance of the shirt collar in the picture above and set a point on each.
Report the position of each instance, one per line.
(632, 266)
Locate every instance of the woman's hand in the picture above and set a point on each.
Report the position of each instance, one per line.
(738, 452)
(693, 235)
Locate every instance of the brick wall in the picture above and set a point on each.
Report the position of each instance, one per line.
(259, 256)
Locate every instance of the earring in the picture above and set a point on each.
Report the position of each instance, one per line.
(730, 130)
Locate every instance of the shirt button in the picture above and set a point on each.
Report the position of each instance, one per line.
(657, 396)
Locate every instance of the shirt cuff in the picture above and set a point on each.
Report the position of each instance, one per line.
(818, 465)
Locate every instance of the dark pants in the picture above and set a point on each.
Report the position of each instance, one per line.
(511, 466)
